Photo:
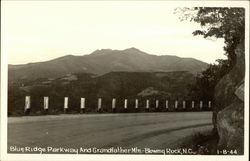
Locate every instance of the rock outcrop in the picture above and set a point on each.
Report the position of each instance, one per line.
(228, 116)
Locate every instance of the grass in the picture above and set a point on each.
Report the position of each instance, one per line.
(202, 143)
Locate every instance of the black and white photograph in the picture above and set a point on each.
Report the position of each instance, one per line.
(119, 80)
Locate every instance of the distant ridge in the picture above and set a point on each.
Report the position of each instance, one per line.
(104, 61)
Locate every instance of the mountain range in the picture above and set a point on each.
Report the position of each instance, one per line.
(106, 74)
(103, 61)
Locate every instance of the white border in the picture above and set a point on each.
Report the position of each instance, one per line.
(4, 156)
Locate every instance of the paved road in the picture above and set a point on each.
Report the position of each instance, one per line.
(154, 130)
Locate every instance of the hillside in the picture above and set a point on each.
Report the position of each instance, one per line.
(120, 85)
(104, 61)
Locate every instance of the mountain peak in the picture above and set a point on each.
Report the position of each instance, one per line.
(101, 51)
(132, 49)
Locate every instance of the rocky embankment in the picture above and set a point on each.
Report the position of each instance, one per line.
(228, 116)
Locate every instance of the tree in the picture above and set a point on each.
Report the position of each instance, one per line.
(204, 87)
(227, 23)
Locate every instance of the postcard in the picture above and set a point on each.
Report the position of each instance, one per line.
(119, 80)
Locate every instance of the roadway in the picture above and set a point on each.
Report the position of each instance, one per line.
(152, 130)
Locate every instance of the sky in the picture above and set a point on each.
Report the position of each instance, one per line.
(43, 30)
